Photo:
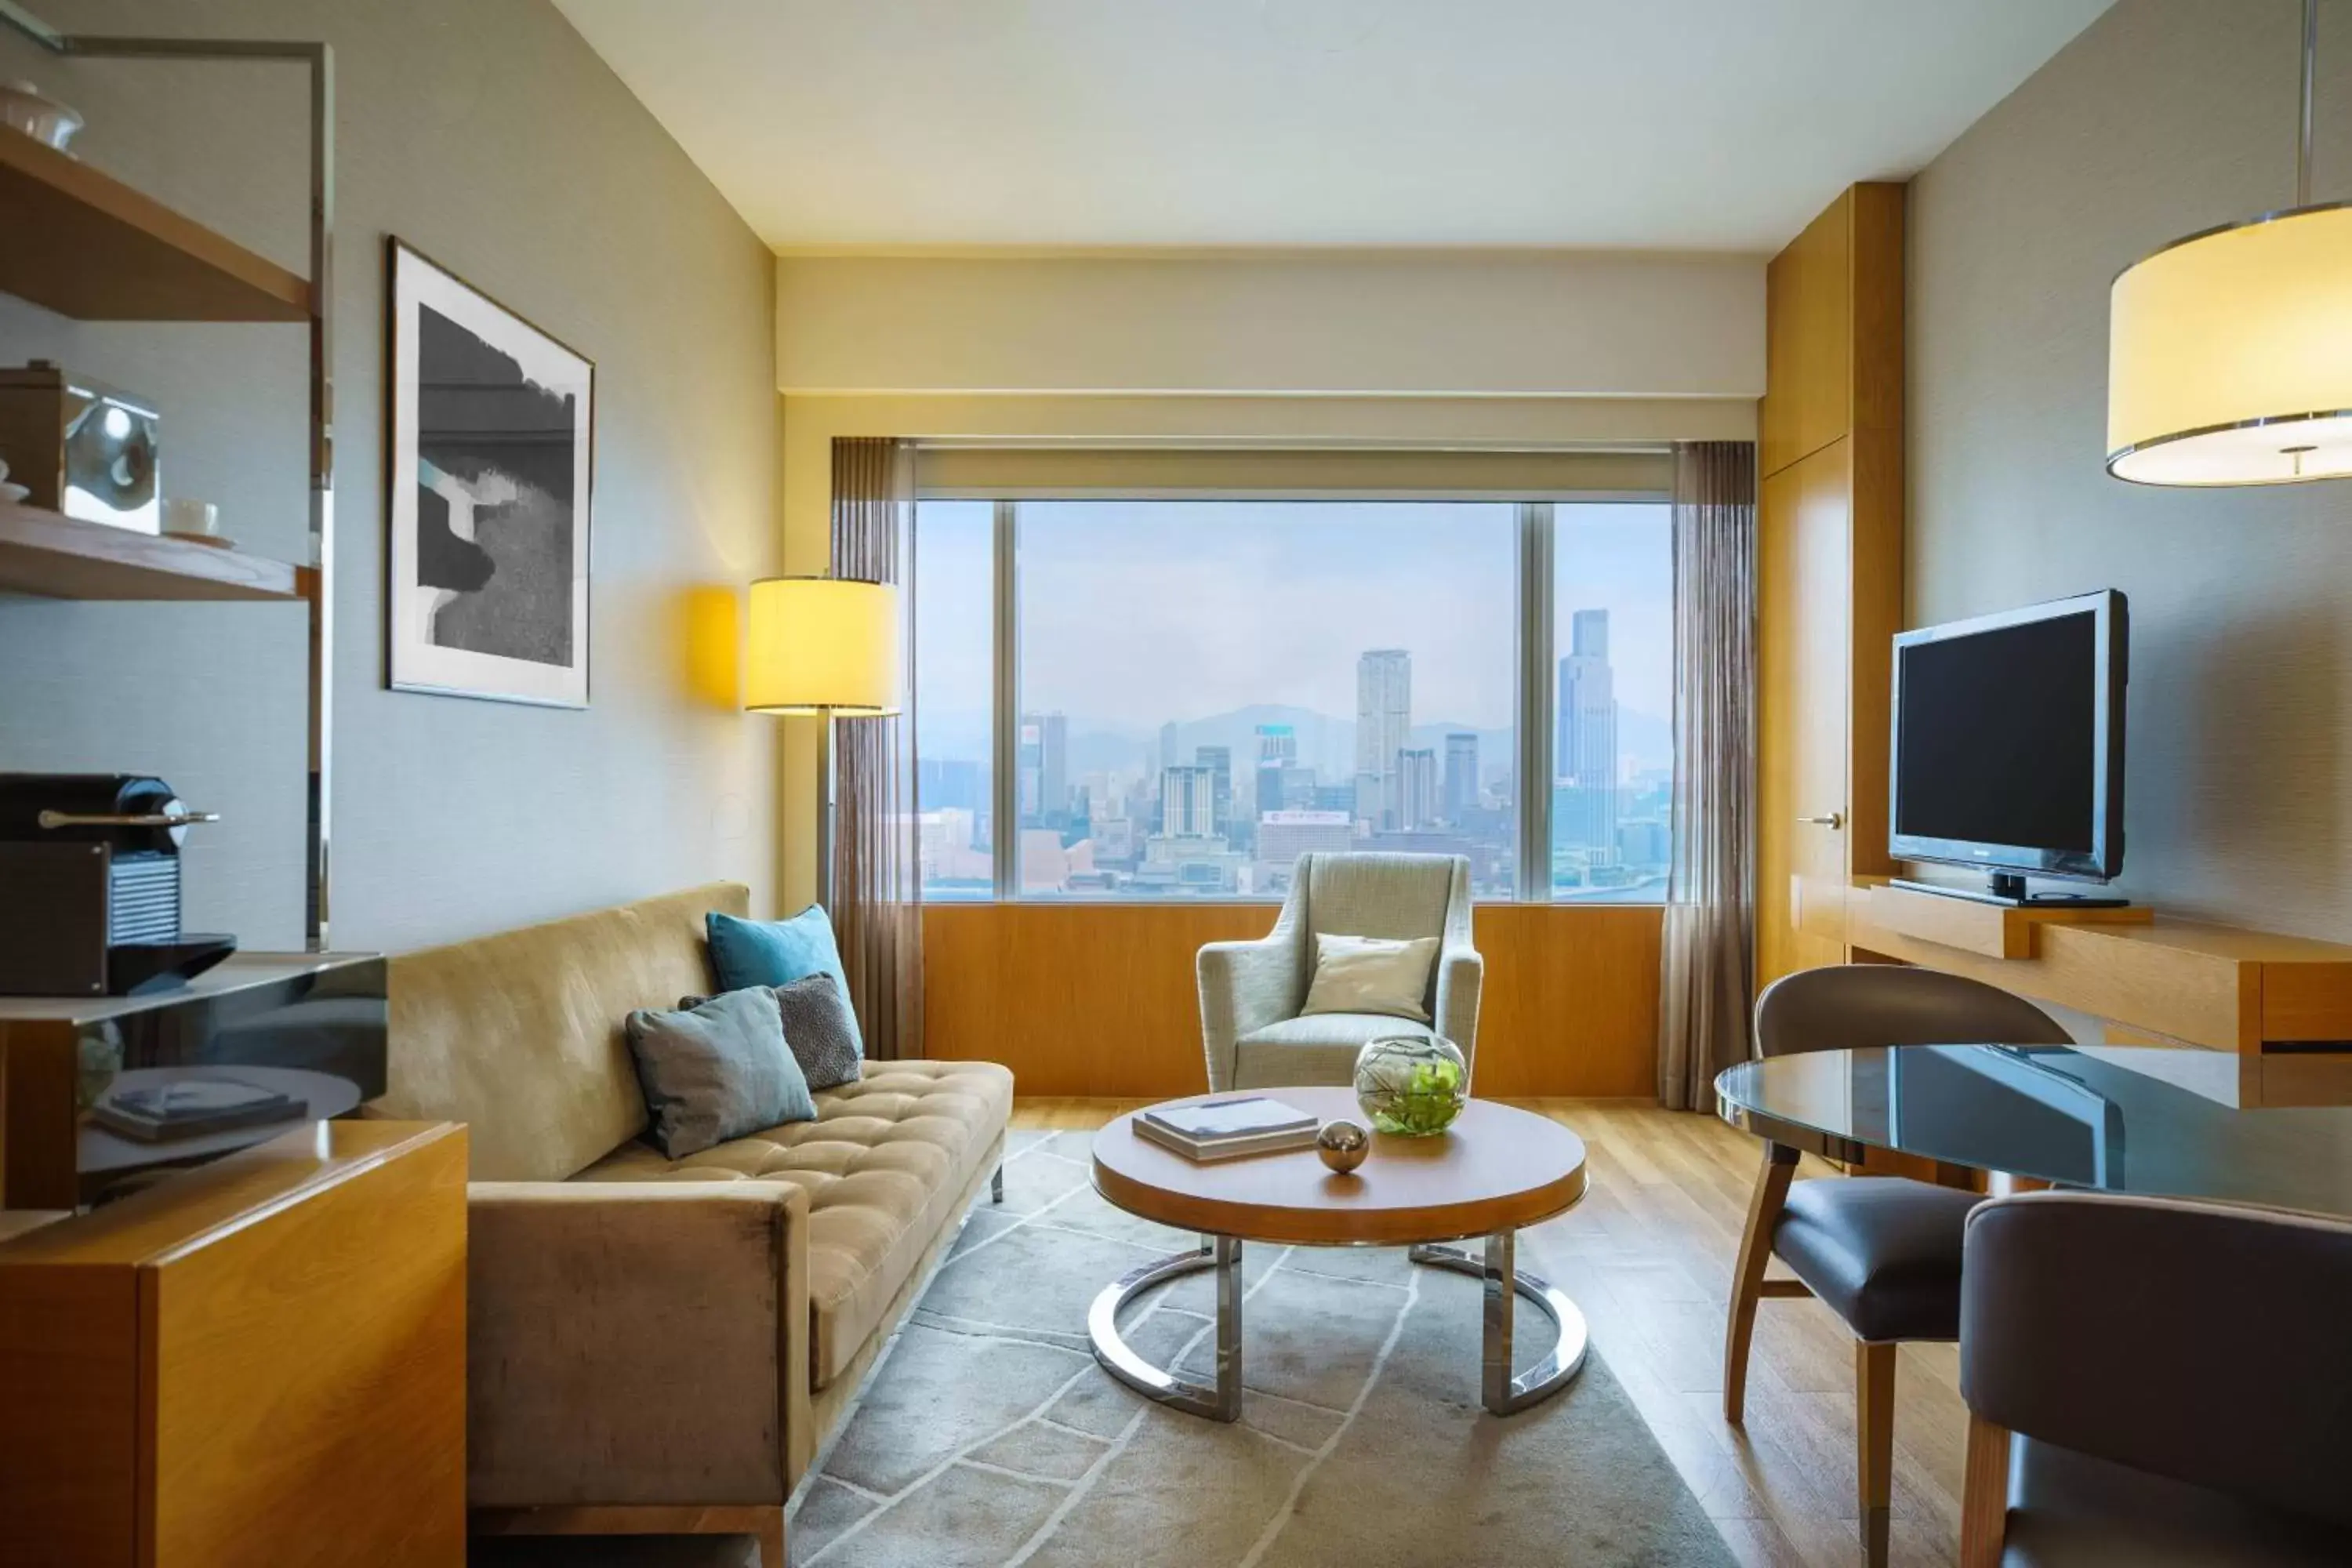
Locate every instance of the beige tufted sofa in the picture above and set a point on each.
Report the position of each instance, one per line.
(658, 1345)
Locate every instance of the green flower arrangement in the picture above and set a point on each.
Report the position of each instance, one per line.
(1413, 1085)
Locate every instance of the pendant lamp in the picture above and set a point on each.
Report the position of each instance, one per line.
(2230, 352)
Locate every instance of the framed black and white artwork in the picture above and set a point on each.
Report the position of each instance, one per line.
(492, 425)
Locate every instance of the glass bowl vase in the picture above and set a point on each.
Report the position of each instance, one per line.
(1411, 1085)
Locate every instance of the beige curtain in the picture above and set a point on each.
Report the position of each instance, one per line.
(877, 885)
(1707, 977)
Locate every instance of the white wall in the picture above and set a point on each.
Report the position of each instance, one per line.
(1375, 323)
(488, 135)
(2163, 118)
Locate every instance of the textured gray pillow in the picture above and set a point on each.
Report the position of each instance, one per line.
(819, 1030)
(717, 1071)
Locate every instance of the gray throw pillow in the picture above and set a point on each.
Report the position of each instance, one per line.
(820, 1029)
(717, 1071)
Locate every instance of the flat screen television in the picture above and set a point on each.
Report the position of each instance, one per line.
(2007, 750)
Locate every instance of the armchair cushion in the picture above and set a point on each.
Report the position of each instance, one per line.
(1318, 1048)
(1371, 974)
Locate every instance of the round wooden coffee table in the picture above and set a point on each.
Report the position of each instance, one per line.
(1494, 1172)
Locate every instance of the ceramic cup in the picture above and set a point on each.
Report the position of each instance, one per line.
(185, 518)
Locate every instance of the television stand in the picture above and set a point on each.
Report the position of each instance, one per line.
(2008, 890)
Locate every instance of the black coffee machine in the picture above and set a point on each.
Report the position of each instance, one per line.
(89, 886)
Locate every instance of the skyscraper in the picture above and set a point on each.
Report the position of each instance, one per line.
(1383, 724)
(1418, 802)
(1045, 776)
(1188, 802)
(1461, 776)
(1588, 736)
(1277, 750)
(1219, 761)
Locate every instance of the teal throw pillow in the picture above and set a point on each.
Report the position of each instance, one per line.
(777, 952)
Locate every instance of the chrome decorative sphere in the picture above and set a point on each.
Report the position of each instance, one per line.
(1413, 1085)
(1343, 1144)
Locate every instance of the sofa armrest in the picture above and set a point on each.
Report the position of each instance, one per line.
(1461, 975)
(1244, 986)
(637, 1342)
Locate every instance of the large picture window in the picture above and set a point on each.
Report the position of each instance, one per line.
(1201, 689)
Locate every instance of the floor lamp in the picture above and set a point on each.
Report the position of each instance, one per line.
(829, 647)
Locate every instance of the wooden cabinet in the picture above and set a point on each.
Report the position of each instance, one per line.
(259, 1362)
(1829, 572)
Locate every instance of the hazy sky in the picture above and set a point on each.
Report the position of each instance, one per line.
(1134, 613)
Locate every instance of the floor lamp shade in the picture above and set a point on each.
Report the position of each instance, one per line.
(2229, 355)
(823, 645)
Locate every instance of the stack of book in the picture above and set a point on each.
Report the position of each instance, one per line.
(192, 1106)
(1228, 1129)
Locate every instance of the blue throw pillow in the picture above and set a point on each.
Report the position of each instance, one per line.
(777, 952)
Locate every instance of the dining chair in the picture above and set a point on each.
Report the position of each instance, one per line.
(2156, 1382)
(1882, 1252)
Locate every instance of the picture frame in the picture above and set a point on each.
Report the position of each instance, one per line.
(489, 469)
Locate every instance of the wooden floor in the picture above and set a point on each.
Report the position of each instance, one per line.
(1648, 1257)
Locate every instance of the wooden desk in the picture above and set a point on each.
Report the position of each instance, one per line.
(2283, 1003)
(260, 1361)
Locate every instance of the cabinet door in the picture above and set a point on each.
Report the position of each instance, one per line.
(1804, 624)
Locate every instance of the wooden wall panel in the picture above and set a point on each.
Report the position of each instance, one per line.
(1099, 1000)
(1829, 569)
(1808, 342)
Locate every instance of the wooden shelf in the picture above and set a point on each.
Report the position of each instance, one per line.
(61, 557)
(1989, 930)
(85, 244)
(2260, 993)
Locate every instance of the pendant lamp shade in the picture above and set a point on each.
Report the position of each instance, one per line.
(821, 644)
(2229, 355)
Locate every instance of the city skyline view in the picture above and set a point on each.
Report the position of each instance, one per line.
(1205, 688)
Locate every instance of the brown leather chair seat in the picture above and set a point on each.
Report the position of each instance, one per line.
(2069, 1509)
(1881, 1252)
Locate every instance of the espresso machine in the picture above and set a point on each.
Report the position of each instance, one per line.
(89, 886)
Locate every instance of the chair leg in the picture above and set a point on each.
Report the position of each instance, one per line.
(1874, 1412)
(996, 1187)
(1748, 1274)
(1984, 1494)
(771, 1538)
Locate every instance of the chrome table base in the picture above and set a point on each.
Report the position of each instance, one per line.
(1504, 1392)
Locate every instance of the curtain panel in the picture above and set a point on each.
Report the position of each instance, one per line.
(1706, 978)
(878, 884)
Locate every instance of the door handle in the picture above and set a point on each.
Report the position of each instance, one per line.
(1834, 820)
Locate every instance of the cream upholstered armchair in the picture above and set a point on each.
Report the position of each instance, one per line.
(1251, 991)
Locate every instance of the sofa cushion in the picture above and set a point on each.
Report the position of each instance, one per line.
(520, 1035)
(1320, 1048)
(884, 1165)
(717, 1070)
(777, 952)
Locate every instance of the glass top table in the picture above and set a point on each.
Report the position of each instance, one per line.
(2116, 1119)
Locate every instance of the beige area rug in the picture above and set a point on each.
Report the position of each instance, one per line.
(988, 1437)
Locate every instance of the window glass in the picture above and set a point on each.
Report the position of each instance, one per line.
(1210, 688)
(1612, 733)
(954, 678)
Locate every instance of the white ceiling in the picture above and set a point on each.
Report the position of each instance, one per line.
(1710, 124)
